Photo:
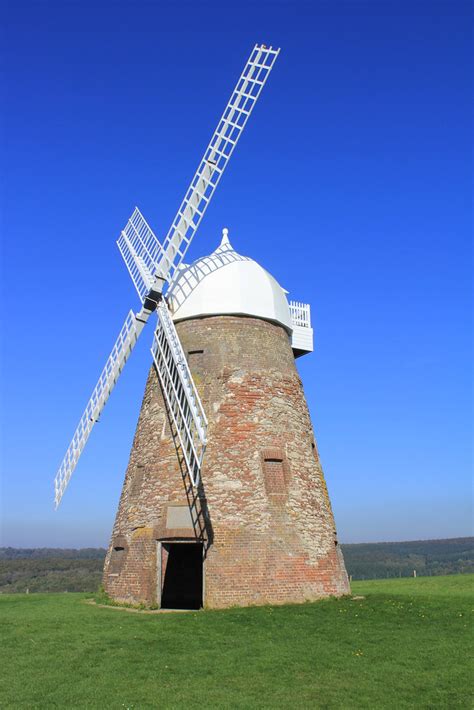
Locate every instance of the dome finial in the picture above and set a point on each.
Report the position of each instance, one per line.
(225, 237)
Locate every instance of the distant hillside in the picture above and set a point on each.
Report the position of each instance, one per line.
(59, 570)
(29, 553)
(399, 559)
(50, 569)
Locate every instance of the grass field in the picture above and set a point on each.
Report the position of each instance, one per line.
(405, 645)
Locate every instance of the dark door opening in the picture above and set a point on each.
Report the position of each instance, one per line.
(181, 575)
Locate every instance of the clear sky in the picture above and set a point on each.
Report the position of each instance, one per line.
(351, 184)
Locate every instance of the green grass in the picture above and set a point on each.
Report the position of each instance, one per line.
(405, 645)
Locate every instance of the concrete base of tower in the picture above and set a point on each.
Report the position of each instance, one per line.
(259, 529)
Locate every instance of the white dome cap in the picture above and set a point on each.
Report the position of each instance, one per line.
(226, 283)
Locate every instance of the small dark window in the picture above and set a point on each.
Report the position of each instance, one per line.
(117, 557)
(275, 472)
(195, 360)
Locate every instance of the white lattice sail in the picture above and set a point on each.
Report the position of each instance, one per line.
(182, 398)
(121, 351)
(144, 256)
(140, 250)
(152, 265)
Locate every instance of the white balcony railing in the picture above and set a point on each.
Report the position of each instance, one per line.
(300, 314)
(302, 337)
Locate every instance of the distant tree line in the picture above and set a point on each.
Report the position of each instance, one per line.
(68, 570)
(46, 569)
(27, 553)
(399, 559)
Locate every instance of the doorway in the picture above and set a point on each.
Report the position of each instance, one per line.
(181, 576)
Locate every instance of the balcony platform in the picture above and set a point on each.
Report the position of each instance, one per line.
(302, 336)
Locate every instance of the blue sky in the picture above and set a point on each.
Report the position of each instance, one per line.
(351, 184)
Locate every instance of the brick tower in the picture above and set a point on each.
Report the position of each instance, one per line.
(259, 527)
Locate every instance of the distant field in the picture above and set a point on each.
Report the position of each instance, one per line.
(451, 586)
(405, 645)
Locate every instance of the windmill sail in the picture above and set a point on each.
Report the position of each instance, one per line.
(124, 345)
(141, 251)
(144, 256)
(152, 265)
(181, 396)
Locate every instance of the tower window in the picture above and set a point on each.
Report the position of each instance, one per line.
(274, 476)
(117, 555)
(195, 359)
(275, 471)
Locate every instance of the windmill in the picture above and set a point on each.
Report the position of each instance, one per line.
(167, 286)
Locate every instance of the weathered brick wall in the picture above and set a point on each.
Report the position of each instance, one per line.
(270, 534)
